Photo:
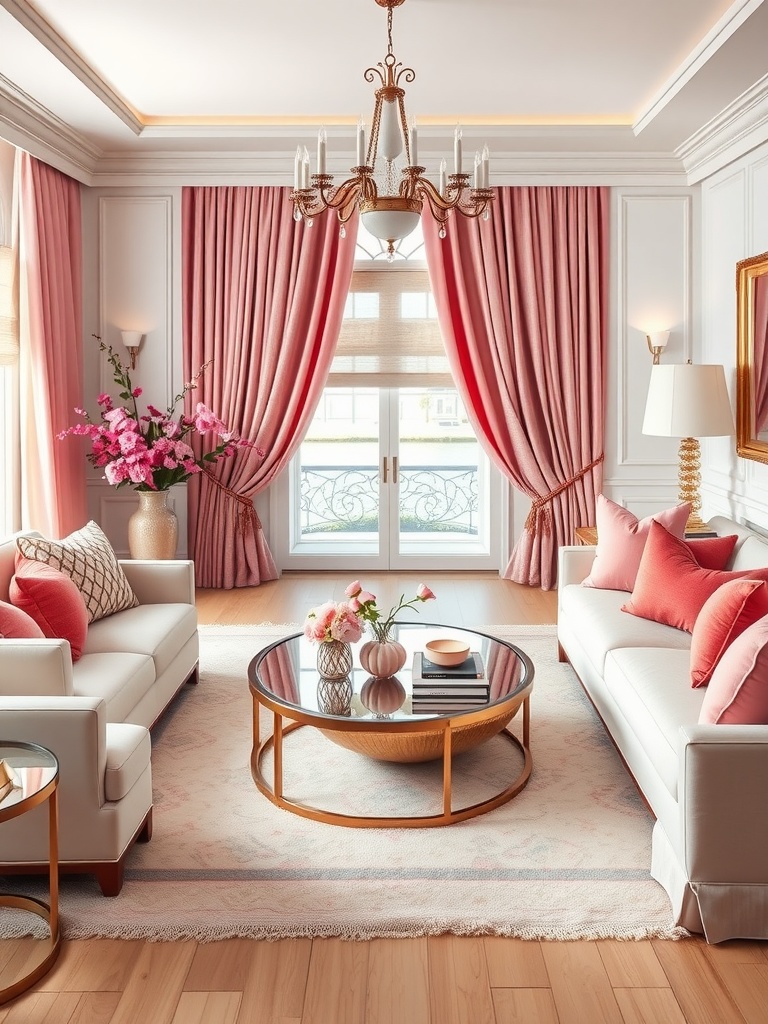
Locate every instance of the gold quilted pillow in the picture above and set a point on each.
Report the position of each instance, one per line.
(88, 558)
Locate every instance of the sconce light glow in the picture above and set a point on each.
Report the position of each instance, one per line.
(657, 342)
(132, 340)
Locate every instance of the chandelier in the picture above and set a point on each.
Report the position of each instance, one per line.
(391, 206)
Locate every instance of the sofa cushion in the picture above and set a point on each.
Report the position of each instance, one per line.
(596, 616)
(712, 552)
(157, 630)
(651, 689)
(738, 691)
(128, 755)
(121, 680)
(621, 538)
(725, 615)
(15, 624)
(671, 586)
(87, 557)
(51, 598)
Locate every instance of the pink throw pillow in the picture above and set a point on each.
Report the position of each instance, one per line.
(724, 616)
(52, 600)
(738, 691)
(17, 625)
(621, 539)
(671, 586)
(712, 552)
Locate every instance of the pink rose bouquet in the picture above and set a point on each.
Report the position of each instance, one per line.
(331, 621)
(151, 451)
(363, 603)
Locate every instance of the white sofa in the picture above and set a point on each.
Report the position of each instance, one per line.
(705, 784)
(95, 716)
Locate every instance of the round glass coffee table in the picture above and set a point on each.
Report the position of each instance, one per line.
(28, 778)
(362, 714)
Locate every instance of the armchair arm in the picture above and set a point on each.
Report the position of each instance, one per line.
(721, 796)
(574, 563)
(169, 581)
(36, 668)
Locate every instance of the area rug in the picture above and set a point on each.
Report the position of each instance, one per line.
(568, 858)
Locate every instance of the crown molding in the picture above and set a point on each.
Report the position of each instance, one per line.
(741, 126)
(29, 125)
(37, 26)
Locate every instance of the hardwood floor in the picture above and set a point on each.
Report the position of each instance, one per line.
(442, 979)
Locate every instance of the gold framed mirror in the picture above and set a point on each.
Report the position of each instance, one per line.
(752, 358)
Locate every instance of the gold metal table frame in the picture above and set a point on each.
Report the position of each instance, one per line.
(49, 912)
(407, 739)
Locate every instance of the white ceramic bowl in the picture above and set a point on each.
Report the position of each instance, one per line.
(447, 652)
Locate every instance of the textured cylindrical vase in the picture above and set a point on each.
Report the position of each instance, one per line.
(382, 657)
(153, 529)
(334, 659)
(334, 696)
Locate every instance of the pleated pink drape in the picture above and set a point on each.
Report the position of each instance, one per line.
(50, 357)
(264, 298)
(522, 302)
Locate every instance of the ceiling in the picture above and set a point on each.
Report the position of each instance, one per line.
(107, 83)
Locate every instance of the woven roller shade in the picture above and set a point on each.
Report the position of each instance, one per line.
(9, 324)
(389, 349)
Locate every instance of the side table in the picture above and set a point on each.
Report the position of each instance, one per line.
(37, 772)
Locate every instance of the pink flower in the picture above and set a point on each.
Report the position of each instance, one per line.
(353, 589)
(205, 420)
(424, 593)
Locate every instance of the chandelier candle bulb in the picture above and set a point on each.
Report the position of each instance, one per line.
(360, 144)
(321, 151)
(457, 151)
(485, 176)
(297, 170)
(305, 169)
(414, 147)
(443, 169)
(478, 178)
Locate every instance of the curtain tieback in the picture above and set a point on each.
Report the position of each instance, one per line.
(247, 517)
(539, 519)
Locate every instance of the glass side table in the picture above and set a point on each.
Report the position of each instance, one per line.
(34, 773)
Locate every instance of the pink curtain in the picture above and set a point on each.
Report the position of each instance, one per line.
(50, 357)
(264, 298)
(522, 302)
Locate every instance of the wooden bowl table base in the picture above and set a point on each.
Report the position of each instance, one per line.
(407, 741)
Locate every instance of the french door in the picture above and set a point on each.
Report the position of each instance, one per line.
(389, 478)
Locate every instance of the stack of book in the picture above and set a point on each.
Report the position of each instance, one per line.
(437, 690)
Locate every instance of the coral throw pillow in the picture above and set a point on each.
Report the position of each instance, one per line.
(725, 615)
(87, 557)
(621, 538)
(738, 691)
(713, 552)
(52, 600)
(17, 625)
(671, 586)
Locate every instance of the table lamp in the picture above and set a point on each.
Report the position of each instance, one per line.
(688, 401)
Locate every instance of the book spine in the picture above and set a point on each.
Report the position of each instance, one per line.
(450, 691)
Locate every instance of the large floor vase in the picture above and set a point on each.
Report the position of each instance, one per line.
(153, 529)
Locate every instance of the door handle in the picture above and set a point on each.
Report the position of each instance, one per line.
(394, 469)
(384, 469)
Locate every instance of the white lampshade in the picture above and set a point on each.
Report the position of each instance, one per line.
(688, 400)
(131, 339)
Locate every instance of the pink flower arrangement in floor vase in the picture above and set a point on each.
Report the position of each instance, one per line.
(151, 452)
(332, 621)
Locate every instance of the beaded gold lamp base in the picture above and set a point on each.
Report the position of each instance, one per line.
(689, 479)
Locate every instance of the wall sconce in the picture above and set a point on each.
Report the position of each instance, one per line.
(657, 342)
(132, 341)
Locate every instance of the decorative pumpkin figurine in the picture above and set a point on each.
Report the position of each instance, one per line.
(382, 657)
(382, 695)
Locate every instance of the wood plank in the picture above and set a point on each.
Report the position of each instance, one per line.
(580, 984)
(702, 994)
(337, 982)
(93, 965)
(748, 984)
(95, 1008)
(398, 982)
(736, 951)
(207, 1008)
(525, 1006)
(41, 1008)
(153, 989)
(276, 982)
(220, 966)
(649, 1006)
(632, 964)
(459, 988)
(514, 963)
